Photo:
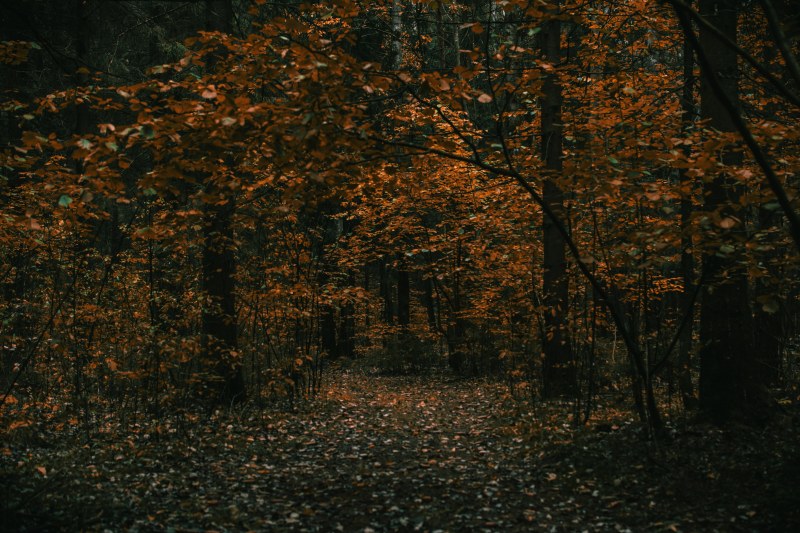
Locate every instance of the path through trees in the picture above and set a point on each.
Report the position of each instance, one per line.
(398, 454)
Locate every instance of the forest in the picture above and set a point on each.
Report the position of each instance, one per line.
(399, 265)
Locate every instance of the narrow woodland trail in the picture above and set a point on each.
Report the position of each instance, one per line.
(376, 454)
(407, 453)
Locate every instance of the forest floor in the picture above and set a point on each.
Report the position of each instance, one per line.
(373, 454)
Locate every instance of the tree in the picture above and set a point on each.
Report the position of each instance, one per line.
(687, 258)
(559, 370)
(218, 255)
(729, 382)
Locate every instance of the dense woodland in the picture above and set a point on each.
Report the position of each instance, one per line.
(227, 220)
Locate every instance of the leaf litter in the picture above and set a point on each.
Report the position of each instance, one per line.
(407, 453)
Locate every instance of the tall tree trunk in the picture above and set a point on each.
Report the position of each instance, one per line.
(219, 312)
(403, 295)
(219, 322)
(441, 38)
(770, 320)
(347, 325)
(687, 259)
(397, 28)
(559, 369)
(81, 74)
(456, 327)
(81, 80)
(431, 304)
(385, 275)
(728, 383)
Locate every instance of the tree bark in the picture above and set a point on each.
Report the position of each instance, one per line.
(687, 259)
(384, 273)
(219, 321)
(559, 370)
(728, 383)
(431, 305)
(397, 28)
(403, 295)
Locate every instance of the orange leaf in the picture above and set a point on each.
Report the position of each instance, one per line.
(19, 424)
(652, 196)
(484, 98)
(210, 92)
(42, 470)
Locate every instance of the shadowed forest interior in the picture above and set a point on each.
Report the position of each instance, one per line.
(403, 265)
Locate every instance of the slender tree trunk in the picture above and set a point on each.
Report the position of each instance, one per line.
(456, 328)
(431, 304)
(770, 320)
(330, 234)
(219, 312)
(81, 80)
(559, 369)
(219, 321)
(728, 383)
(347, 326)
(81, 74)
(440, 35)
(456, 43)
(384, 273)
(403, 295)
(687, 259)
(327, 332)
(397, 28)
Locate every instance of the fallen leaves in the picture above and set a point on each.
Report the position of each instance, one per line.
(385, 454)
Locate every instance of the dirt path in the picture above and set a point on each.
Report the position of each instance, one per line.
(387, 454)
(376, 453)
(405, 453)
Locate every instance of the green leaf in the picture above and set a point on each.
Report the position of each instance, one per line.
(613, 160)
(64, 201)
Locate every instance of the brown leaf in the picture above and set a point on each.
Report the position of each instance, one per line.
(209, 93)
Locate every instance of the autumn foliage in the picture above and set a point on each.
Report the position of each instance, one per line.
(366, 180)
